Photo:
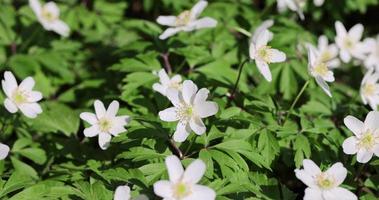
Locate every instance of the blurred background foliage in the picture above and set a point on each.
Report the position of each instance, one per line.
(250, 148)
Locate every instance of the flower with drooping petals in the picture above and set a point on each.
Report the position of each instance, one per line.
(183, 183)
(190, 107)
(104, 123)
(21, 97)
(48, 16)
(324, 185)
(186, 21)
(369, 90)
(328, 52)
(264, 54)
(167, 83)
(4, 151)
(349, 42)
(319, 69)
(365, 142)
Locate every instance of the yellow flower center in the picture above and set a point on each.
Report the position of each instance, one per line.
(326, 56)
(367, 141)
(183, 18)
(369, 89)
(324, 181)
(47, 15)
(265, 54)
(104, 124)
(321, 69)
(184, 113)
(175, 85)
(181, 190)
(348, 43)
(19, 97)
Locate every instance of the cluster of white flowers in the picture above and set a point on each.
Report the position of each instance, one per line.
(296, 5)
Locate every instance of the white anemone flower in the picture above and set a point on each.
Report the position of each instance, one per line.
(372, 46)
(4, 151)
(21, 97)
(264, 54)
(328, 52)
(318, 2)
(48, 16)
(167, 83)
(186, 21)
(183, 183)
(319, 69)
(190, 107)
(349, 42)
(104, 122)
(122, 193)
(365, 141)
(369, 90)
(265, 25)
(324, 185)
(293, 5)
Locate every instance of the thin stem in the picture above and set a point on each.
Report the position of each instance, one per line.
(167, 64)
(177, 150)
(243, 31)
(238, 79)
(296, 99)
(190, 145)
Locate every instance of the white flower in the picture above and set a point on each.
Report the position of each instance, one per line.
(186, 21)
(167, 83)
(21, 96)
(319, 69)
(4, 151)
(369, 90)
(265, 25)
(122, 193)
(318, 2)
(48, 16)
(104, 123)
(264, 54)
(328, 52)
(324, 185)
(190, 106)
(183, 184)
(372, 46)
(365, 141)
(349, 42)
(294, 5)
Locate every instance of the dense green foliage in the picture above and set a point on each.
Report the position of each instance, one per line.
(250, 148)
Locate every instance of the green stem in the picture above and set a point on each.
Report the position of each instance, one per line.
(243, 31)
(296, 99)
(238, 79)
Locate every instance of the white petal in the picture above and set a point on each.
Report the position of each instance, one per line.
(206, 22)
(177, 78)
(174, 168)
(372, 120)
(354, 125)
(313, 194)
(169, 115)
(89, 117)
(312, 55)
(163, 189)
(34, 96)
(99, 109)
(376, 149)
(169, 32)
(197, 125)
(181, 133)
(345, 56)
(356, 32)
(304, 177)
(262, 38)
(159, 88)
(121, 120)
(201, 96)
(10, 106)
(200, 192)
(363, 156)
(4, 151)
(264, 70)
(166, 20)
(189, 91)
(194, 172)
(91, 131)
(252, 50)
(322, 42)
(198, 8)
(112, 109)
(206, 109)
(52, 8)
(329, 76)
(116, 130)
(122, 193)
(36, 6)
(310, 167)
(277, 56)
(339, 193)
(350, 145)
(104, 140)
(324, 86)
(30, 110)
(264, 25)
(27, 84)
(60, 27)
(318, 2)
(174, 96)
(340, 29)
(163, 77)
(338, 171)
(9, 83)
